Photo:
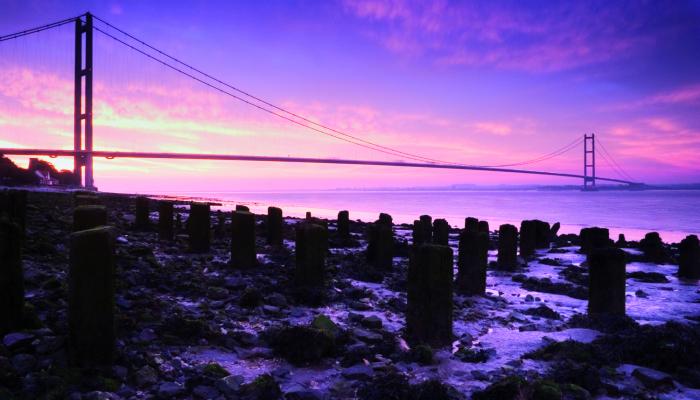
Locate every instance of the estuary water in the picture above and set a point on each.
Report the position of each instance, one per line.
(673, 213)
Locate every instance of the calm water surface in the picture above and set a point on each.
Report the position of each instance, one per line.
(675, 214)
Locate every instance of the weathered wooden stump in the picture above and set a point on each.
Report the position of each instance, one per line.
(653, 248)
(243, 240)
(689, 259)
(594, 238)
(11, 276)
(429, 311)
(343, 230)
(423, 230)
(198, 225)
(471, 224)
(385, 219)
(311, 247)
(441, 232)
(507, 247)
(165, 220)
(91, 339)
(88, 217)
(220, 228)
(275, 226)
(483, 227)
(606, 288)
(621, 240)
(555, 230)
(13, 204)
(471, 263)
(543, 234)
(528, 238)
(143, 209)
(380, 245)
(86, 199)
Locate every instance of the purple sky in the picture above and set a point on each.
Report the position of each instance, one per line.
(472, 82)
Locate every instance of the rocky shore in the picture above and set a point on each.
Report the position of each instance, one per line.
(337, 309)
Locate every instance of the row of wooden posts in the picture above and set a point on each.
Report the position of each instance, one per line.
(430, 271)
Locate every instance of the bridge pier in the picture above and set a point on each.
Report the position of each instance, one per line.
(80, 131)
(589, 178)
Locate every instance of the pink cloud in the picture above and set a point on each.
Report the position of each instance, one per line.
(562, 36)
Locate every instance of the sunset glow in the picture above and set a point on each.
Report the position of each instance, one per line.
(475, 83)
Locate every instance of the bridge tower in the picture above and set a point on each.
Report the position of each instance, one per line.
(83, 71)
(589, 162)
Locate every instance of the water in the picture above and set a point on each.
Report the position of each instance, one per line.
(672, 213)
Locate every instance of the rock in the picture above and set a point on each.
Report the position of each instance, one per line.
(422, 354)
(276, 299)
(358, 372)
(97, 395)
(230, 384)
(355, 317)
(543, 311)
(648, 277)
(17, 340)
(147, 335)
(654, 380)
(205, 392)
(168, 390)
(300, 345)
(372, 322)
(367, 336)
(264, 387)
(23, 363)
(146, 376)
(303, 394)
(480, 375)
(250, 298)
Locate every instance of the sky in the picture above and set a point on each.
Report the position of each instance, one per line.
(479, 83)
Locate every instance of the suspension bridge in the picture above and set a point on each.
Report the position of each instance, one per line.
(83, 152)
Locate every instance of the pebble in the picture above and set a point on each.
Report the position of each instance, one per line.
(358, 372)
(372, 322)
(367, 336)
(146, 376)
(169, 389)
(23, 363)
(17, 339)
(205, 392)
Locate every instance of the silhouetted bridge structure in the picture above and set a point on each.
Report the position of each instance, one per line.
(83, 152)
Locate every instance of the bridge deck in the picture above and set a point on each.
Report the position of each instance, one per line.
(308, 160)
